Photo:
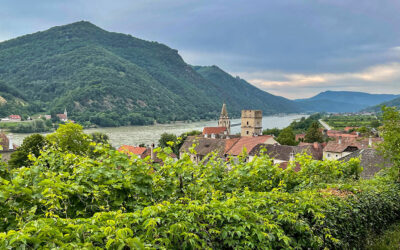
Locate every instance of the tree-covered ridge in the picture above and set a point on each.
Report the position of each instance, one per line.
(114, 79)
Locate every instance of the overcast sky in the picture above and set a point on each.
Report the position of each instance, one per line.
(293, 48)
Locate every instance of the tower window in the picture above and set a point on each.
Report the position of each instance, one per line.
(247, 132)
(247, 123)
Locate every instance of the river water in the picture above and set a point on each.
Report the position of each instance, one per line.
(135, 135)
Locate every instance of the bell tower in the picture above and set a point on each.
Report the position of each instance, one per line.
(224, 120)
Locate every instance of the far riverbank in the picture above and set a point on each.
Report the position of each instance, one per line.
(134, 135)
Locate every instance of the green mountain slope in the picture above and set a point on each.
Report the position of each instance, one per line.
(391, 103)
(242, 95)
(113, 79)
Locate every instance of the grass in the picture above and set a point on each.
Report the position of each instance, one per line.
(389, 239)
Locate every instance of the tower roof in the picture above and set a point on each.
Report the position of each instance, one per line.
(223, 111)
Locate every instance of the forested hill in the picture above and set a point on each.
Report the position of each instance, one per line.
(242, 95)
(391, 103)
(343, 101)
(113, 79)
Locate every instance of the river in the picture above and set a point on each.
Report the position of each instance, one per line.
(134, 135)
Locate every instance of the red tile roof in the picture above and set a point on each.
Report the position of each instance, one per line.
(247, 142)
(213, 130)
(15, 117)
(335, 134)
(62, 116)
(131, 149)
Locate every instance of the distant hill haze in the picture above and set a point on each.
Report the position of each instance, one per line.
(343, 101)
(113, 79)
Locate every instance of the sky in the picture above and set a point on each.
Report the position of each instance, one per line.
(292, 48)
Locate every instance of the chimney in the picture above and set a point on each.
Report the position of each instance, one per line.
(10, 145)
(316, 145)
(340, 140)
(370, 141)
(152, 154)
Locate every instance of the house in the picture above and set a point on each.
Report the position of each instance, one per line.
(342, 147)
(142, 152)
(215, 132)
(370, 160)
(335, 134)
(15, 118)
(348, 129)
(7, 147)
(285, 153)
(223, 147)
(63, 117)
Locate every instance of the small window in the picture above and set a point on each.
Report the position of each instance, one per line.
(247, 132)
(247, 123)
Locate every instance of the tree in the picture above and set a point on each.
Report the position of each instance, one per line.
(99, 137)
(31, 144)
(375, 123)
(314, 134)
(287, 137)
(390, 133)
(70, 137)
(165, 138)
(272, 131)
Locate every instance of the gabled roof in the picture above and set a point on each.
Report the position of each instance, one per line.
(283, 152)
(132, 149)
(249, 143)
(371, 161)
(361, 143)
(213, 130)
(62, 116)
(15, 117)
(204, 146)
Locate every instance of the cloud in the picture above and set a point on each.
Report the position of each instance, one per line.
(383, 78)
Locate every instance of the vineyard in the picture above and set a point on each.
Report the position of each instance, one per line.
(79, 194)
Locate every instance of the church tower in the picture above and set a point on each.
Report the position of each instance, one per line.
(224, 120)
(66, 114)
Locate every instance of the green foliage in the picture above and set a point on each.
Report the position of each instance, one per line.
(99, 137)
(70, 138)
(272, 131)
(35, 126)
(341, 121)
(390, 133)
(31, 145)
(304, 123)
(287, 137)
(314, 133)
(69, 200)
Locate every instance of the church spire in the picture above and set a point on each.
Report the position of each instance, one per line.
(224, 113)
(224, 119)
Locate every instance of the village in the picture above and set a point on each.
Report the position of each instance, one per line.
(342, 145)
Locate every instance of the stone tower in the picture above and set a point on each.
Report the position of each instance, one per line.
(224, 120)
(251, 122)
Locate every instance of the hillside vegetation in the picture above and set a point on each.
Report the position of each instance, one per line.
(391, 103)
(114, 79)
